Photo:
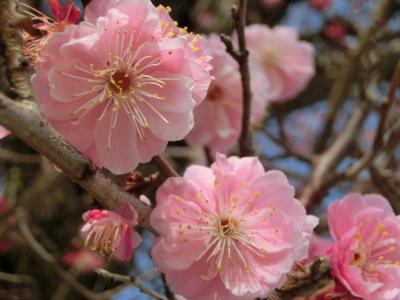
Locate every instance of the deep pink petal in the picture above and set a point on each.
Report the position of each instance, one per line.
(56, 9)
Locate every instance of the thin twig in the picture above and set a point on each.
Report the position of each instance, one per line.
(44, 182)
(209, 155)
(388, 184)
(384, 110)
(242, 57)
(108, 294)
(288, 150)
(16, 278)
(49, 259)
(170, 295)
(165, 167)
(321, 176)
(125, 278)
(19, 158)
(340, 87)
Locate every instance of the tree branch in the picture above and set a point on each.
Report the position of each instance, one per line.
(325, 164)
(165, 167)
(25, 121)
(306, 281)
(242, 57)
(384, 110)
(125, 278)
(49, 259)
(16, 278)
(19, 158)
(340, 87)
(17, 68)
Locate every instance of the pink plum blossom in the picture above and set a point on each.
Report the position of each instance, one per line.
(320, 4)
(287, 62)
(3, 132)
(335, 30)
(319, 246)
(119, 86)
(112, 232)
(218, 120)
(232, 231)
(366, 253)
(84, 260)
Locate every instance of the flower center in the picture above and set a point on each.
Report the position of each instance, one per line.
(373, 249)
(227, 227)
(228, 232)
(228, 240)
(358, 259)
(120, 82)
(124, 85)
(214, 94)
(270, 57)
(104, 238)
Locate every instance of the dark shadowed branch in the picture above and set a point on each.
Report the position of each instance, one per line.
(241, 55)
(378, 143)
(165, 167)
(25, 121)
(9, 156)
(47, 258)
(305, 281)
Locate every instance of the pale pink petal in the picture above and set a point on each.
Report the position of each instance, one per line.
(341, 213)
(148, 147)
(319, 246)
(146, 19)
(287, 62)
(125, 248)
(127, 211)
(116, 148)
(59, 112)
(171, 126)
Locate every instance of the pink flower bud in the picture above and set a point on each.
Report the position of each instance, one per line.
(111, 232)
